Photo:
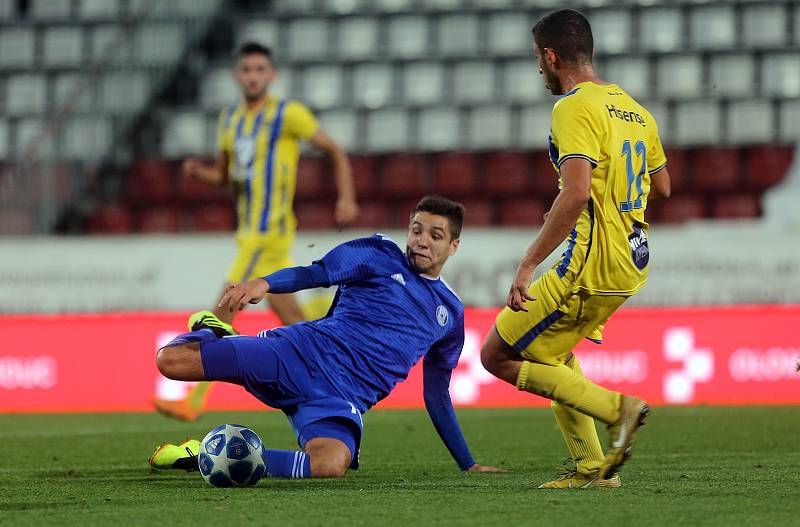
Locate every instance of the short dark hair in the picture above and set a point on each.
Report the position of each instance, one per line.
(254, 48)
(441, 206)
(567, 32)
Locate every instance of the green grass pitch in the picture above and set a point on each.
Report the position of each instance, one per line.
(691, 466)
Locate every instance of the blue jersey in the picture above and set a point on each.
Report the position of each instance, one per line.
(385, 317)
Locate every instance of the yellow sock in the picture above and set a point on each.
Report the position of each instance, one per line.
(198, 395)
(579, 432)
(569, 388)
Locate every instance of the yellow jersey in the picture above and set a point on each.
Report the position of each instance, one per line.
(619, 137)
(263, 149)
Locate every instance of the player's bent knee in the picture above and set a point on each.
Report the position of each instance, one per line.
(171, 361)
(328, 468)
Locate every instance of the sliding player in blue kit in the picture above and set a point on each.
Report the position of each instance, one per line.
(391, 309)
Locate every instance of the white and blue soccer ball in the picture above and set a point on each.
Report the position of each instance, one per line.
(231, 456)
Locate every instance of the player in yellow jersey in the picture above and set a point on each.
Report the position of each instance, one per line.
(258, 150)
(606, 150)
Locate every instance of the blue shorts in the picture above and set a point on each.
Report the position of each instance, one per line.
(274, 371)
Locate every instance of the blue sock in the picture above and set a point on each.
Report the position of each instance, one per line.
(201, 335)
(287, 464)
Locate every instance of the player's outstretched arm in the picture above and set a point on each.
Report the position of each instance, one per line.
(443, 416)
(566, 209)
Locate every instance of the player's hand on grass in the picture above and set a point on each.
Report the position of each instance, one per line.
(518, 294)
(345, 212)
(237, 296)
(484, 468)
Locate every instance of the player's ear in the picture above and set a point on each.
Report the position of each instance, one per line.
(454, 245)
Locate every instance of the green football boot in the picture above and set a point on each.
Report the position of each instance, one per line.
(207, 319)
(182, 456)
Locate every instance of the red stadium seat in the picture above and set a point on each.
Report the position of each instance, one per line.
(110, 219)
(455, 175)
(736, 206)
(213, 218)
(150, 182)
(766, 166)
(506, 174)
(478, 213)
(315, 215)
(400, 212)
(309, 178)
(194, 192)
(364, 176)
(372, 215)
(522, 212)
(676, 166)
(715, 169)
(679, 209)
(160, 219)
(544, 178)
(403, 176)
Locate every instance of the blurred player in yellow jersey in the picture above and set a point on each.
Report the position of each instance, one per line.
(258, 150)
(607, 152)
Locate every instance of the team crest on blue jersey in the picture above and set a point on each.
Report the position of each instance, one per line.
(441, 315)
(245, 148)
(640, 251)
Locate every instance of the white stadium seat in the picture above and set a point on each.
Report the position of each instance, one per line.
(439, 129)
(124, 91)
(764, 26)
(387, 130)
(50, 9)
(322, 86)
(342, 125)
(697, 123)
(713, 27)
(63, 46)
(67, 85)
(457, 35)
(17, 47)
(4, 139)
(184, 134)
(611, 29)
(522, 82)
(373, 85)
(534, 126)
(680, 76)
(7, 9)
(160, 43)
(473, 81)
(732, 75)
(357, 37)
(93, 9)
(26, 94)
(265, 32)
(632, 74)
(308, 39)
(86, 138)
(218, 88)
(510, 34)
(107, 39)
(408, 36)
(781, 74)
(30, 130)
(423, 83)
(489, 127)
(661, 29)
(750, 122)
(790, 121)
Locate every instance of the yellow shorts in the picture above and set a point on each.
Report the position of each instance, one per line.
(556, 321)
(259, 257)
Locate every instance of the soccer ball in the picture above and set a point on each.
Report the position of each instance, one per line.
(231, 456)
